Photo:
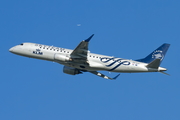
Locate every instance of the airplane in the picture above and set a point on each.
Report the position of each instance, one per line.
(82, 60)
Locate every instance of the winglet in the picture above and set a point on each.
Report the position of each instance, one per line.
(116, 77)
(87, 40)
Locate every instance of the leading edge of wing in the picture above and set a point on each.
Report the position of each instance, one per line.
(103, 76)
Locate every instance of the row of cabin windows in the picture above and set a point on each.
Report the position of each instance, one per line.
(94, 56)
(67, 52)
(54, 49)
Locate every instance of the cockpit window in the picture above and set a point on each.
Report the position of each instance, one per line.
(21, 44)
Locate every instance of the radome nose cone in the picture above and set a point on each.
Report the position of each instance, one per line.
(11, 50)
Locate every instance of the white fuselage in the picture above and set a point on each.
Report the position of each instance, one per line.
(95, 62)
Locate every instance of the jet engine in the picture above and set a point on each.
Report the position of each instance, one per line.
(61, 57)
(71, 71)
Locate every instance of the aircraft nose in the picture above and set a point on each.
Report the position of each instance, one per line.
(11, 49)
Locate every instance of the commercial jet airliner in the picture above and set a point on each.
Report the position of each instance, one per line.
(82, 60)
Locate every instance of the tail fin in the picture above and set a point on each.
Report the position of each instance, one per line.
(159, 53)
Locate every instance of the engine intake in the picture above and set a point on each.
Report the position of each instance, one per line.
(71, 71)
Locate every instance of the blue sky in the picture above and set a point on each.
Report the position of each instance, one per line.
(36, 89)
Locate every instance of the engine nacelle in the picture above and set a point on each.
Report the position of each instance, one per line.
(61, 57)
(71, 71)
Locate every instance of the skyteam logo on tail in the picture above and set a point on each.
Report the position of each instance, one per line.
(113, 61)
(157, 54)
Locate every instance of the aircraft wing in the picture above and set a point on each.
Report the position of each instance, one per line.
(81, 51)
(102, 75)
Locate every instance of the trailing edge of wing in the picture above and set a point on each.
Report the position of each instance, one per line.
(103, 76)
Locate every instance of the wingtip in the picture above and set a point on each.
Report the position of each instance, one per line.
(87, 40)
(116, 77)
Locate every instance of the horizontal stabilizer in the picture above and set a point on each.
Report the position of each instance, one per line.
(154, 64)
(164, 73)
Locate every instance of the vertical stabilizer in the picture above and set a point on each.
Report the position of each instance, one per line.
(159, 53)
